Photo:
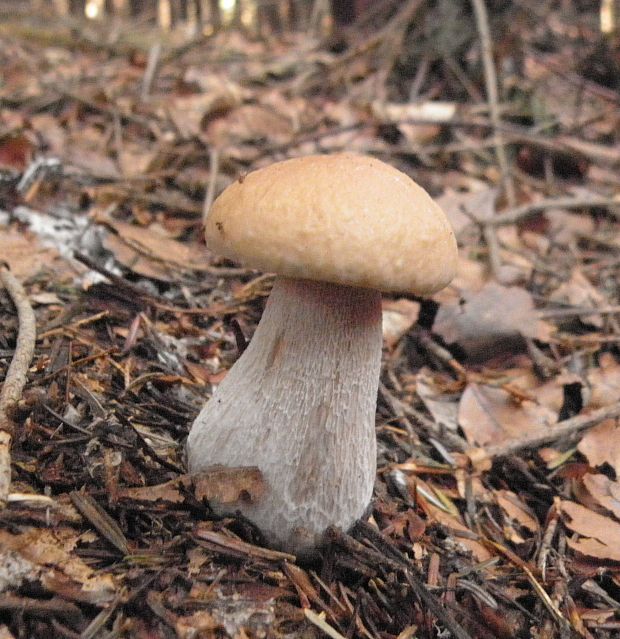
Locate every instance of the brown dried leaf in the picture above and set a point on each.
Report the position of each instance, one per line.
(490, 415)
(601, 445)
(493, 319)
(190, 112)
(442, 406)
(477, 549)
(16, 151)
(249, 123)
(604, 382)
(218, 484)
(195, 625)
(49, 555)
(579, 291)
(515, 510)
(135, 159)
(26, 256)
(600, 534)
(604, 491)
(152, 254)
(462, 208)
(5, 633)
(397, 318)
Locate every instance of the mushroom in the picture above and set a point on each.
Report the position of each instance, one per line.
(300, 402)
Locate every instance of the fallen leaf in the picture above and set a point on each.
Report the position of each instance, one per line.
(604, 382)
(16, 151)
(454, 524)
(516, 511)
(494, 319)
(491, 415)
(135, 159)
(152, 254)
(398, 317)
(194, 625)
(249, 123)
(605, 491)
(218, 484)
(442, 406)
(579, 291)
(26, 256)
(601, 445)
(566, 227)
(463, 208)
(471, 276)
(49, 556)
(600, 534)
(190, 112)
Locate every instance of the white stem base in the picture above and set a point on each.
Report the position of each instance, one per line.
(300, 404)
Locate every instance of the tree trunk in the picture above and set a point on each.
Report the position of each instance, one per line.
(76, 8)
(268, 15)
(343, 12)
(215, 14)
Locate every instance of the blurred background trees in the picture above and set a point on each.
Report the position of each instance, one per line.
(265, 16)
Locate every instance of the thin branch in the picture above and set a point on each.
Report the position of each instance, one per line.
(15, 379)
(547, 435)
(520, 213)
(490, 78)
(214, 167)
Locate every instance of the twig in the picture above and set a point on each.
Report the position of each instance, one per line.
(542, 436)
(100, 520)
(556, 313)
(520, 213)
(214, 165)
(490, 78)
(15, 379)
(320, 623)
(151, 70)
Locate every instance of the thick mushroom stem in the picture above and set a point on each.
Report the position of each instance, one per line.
(300, 404)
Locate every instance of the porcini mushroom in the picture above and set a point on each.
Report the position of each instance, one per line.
(300, 402)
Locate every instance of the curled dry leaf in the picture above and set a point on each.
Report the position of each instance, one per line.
(442, 406)
(249, 123)
(150, 253)
(397, 318)
(605, 492)
(26, 256)
(47, 555)
(471, 276)
(218, 484)
(604, 382)
(189, 112)
(492, 320)
(490, 415)
(195, 625)
(456, 526)
(579, 291)
(599, 536)
(601, 445)
(516, 512)
(462, 208)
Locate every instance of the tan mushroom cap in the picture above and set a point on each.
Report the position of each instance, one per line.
(343, 218)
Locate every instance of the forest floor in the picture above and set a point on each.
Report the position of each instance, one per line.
(497, 503)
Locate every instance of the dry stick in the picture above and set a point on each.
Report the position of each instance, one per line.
(214, 167)
(15, 379)
(490, 78)
(151, 69)
(526, 211)
(552, 433)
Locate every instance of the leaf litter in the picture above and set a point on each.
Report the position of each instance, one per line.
(105, 533)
